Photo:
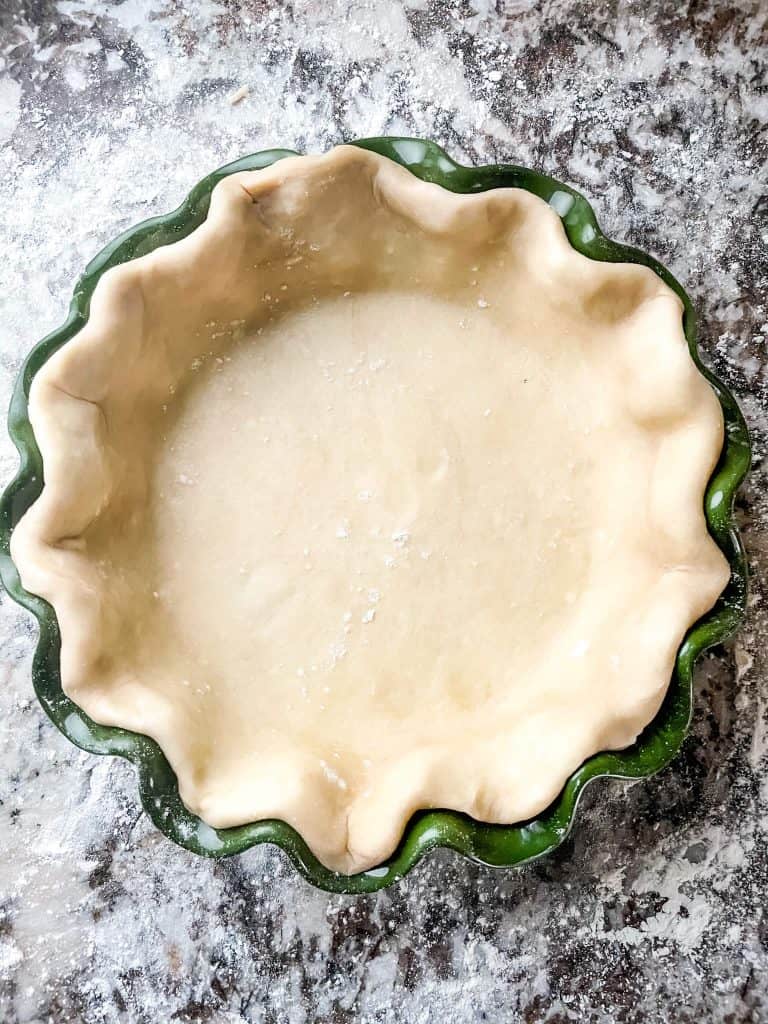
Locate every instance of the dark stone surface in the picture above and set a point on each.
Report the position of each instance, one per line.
(653, 910)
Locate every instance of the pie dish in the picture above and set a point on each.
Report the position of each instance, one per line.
(362, 498)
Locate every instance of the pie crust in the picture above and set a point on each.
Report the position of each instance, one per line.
(368, 497)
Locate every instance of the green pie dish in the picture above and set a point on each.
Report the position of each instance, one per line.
(496, 845)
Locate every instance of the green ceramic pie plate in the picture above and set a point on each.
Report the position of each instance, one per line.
(498, 845)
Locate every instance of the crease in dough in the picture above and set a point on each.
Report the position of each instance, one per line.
(367, 497)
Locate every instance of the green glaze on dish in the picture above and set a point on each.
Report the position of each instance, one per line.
(491, 844)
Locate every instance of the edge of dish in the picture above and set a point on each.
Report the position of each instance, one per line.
(495, 845)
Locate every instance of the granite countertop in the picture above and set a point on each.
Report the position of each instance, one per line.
(653, 910)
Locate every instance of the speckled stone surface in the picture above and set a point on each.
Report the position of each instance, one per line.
(653, 910)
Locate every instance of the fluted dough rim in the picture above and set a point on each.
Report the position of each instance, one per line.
(29, 543)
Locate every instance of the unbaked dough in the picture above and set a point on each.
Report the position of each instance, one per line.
(367, 497)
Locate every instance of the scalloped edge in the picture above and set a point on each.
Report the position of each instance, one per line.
(494, 845)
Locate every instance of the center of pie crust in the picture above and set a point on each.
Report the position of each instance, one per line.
(370, 504)
(367, 498)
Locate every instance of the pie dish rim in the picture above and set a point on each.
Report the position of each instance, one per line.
(497, 845)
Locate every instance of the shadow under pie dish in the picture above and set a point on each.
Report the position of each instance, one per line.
(378, 486)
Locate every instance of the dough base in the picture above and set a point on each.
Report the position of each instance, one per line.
(367, 497)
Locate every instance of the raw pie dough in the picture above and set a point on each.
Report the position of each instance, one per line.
(368, 497)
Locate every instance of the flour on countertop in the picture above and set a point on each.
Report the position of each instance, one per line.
(653, 910)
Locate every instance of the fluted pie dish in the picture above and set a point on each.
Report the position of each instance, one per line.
(382, 497)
